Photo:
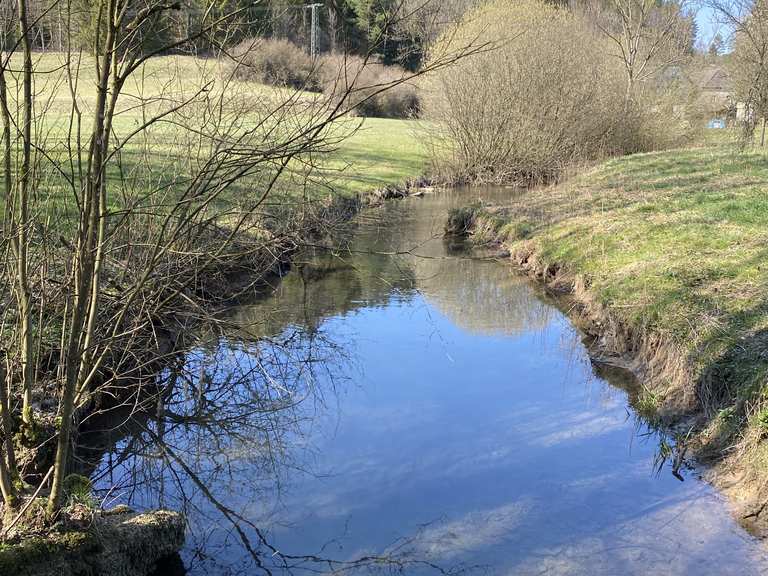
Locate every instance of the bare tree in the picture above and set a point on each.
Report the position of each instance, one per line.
(430, 19)
(117, 230)
(747, 20)
(648, 35)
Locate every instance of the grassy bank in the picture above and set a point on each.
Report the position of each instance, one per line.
(668, 254)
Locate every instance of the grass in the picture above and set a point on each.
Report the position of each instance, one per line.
(674, 245)
(383, 152)
(375, 153)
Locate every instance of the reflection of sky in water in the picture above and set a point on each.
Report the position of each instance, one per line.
(523, 460)
(469, 418)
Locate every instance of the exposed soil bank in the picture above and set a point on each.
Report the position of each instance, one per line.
(670, 378)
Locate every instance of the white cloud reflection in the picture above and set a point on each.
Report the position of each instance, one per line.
(474, 531)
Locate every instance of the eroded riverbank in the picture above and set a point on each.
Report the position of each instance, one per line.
(682, 315)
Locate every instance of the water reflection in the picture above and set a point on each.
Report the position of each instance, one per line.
(409, 409)
(226, 430)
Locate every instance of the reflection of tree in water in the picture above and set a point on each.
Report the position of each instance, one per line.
(398, 251)
(231, 422)
(481, 297)
(228, 413)
(324, 284)
(221, 440)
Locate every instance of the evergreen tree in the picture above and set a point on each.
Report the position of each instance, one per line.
(717, 46)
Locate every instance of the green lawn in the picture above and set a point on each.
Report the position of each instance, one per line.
(381, 152)
(375, 152)
(675, 246)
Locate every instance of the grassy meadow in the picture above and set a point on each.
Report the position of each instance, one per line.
(361, 154)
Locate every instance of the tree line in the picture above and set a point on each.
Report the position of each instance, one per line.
(353, 26)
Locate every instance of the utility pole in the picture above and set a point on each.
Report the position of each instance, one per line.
(315, 26)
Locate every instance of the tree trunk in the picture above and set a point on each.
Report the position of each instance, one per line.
(7, 461)
(333, 32)
(88, 259)
(21, 238)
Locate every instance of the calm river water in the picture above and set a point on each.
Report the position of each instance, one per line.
(401, 399)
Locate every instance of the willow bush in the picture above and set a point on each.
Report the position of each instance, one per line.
(359, 81)
(545, 95)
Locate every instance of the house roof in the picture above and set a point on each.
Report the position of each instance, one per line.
(715, 79)
(715, 85)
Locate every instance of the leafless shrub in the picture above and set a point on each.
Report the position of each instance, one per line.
(276, 62)
(551, 95)
(668, 113)
(653, 42)
(545, 98)
(367, 77)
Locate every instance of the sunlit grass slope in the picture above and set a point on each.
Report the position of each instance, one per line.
(372, 153)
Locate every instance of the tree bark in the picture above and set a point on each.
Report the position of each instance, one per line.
(21, 239)
(8, 461)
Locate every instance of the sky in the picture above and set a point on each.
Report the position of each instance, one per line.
(708, 26)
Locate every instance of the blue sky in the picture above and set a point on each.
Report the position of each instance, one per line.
(708, 26)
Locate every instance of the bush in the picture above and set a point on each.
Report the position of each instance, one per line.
(374, 89)
(550, 95)
(460, 220)
(275, 62)
(668, 114)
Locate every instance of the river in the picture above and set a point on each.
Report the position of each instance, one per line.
(406, 399)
